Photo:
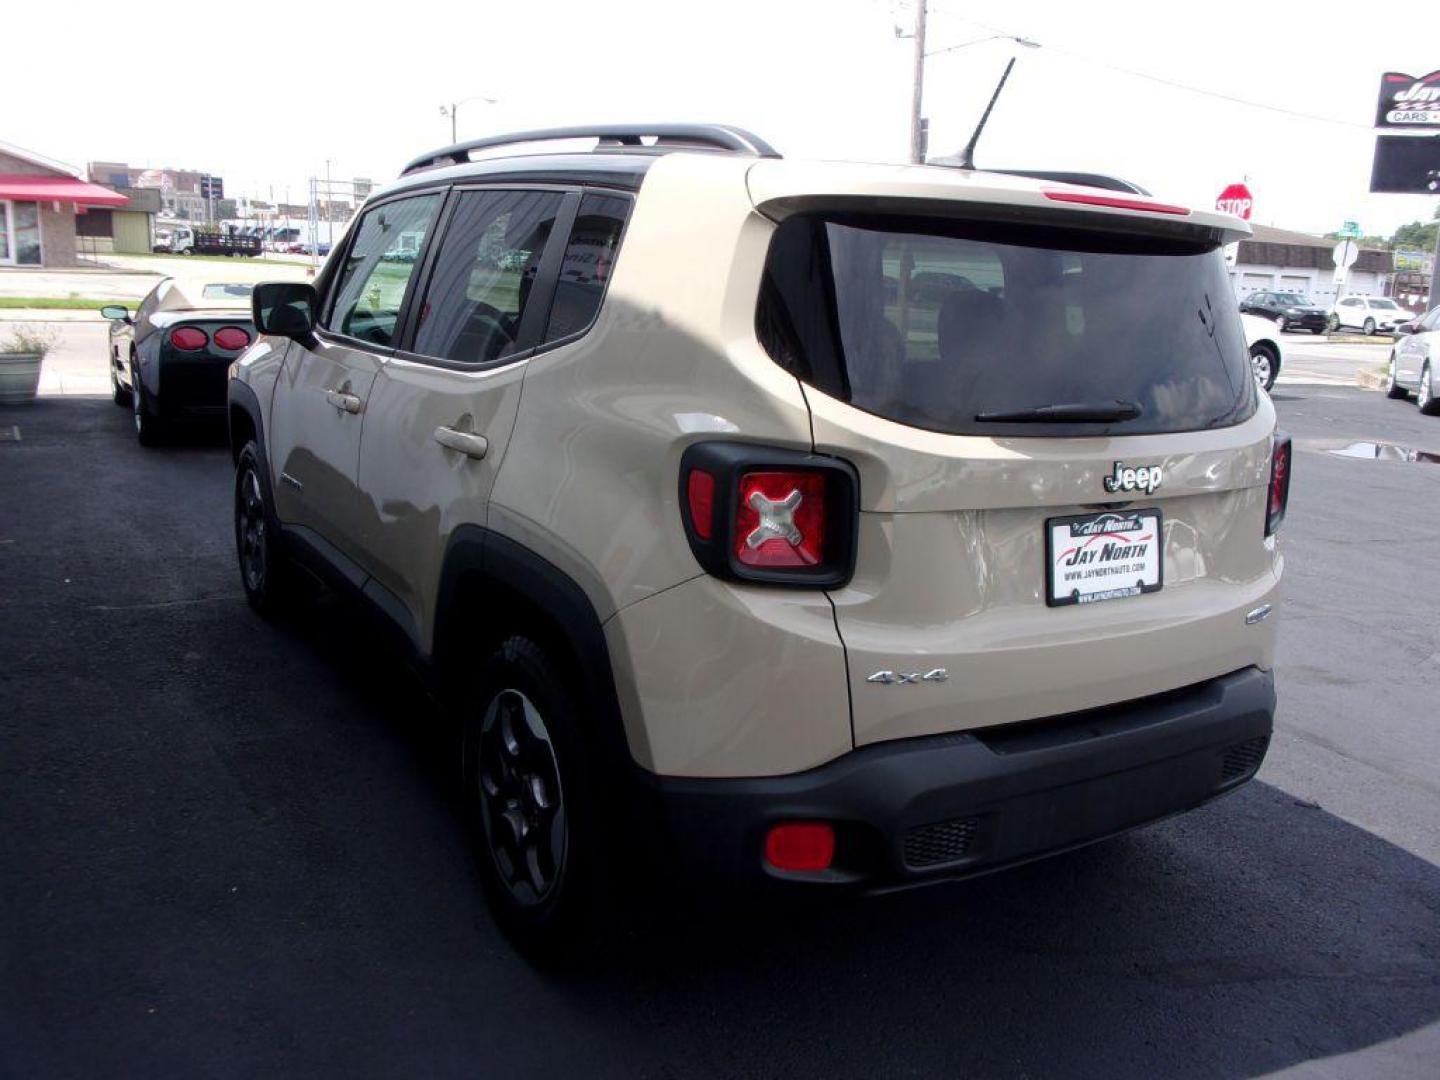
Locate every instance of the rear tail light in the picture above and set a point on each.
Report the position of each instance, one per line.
(801, 845)
(776, 516)
(188, 338)
(231, 338)
(1279, 494)
(780, 519)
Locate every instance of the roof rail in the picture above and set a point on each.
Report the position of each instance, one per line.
(713, 136)
(1084, 179)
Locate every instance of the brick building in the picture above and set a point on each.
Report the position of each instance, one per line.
(39, 201)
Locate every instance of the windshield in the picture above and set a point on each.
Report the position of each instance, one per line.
(1293, 299)
(947, 326)
(221, 292)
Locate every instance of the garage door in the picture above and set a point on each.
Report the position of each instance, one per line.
(1251, 282)
(1289, 283)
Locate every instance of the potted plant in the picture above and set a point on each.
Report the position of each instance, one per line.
(21, 351)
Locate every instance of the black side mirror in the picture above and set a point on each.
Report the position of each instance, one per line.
(1405, 328)
(116, 313)
(285, 309)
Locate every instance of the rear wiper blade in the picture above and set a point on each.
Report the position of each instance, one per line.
(1075, 412)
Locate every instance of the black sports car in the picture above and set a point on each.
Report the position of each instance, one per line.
(1287, 310)
(168, 361)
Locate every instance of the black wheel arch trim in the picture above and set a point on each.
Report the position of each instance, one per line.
(499, 566)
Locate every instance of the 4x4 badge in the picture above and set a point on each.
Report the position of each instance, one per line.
(888, 678)
(1146, 478)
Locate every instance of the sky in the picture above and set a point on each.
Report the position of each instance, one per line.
(361, 85)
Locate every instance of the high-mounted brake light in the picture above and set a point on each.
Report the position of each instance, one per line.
(1118, 201)
(1279, 493)
(231, 338)
(188, 338)
(770, 515)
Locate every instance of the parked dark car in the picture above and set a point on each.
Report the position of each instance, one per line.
(1287, 310)
(169, 361)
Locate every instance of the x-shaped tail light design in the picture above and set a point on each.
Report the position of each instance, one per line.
(777, 519)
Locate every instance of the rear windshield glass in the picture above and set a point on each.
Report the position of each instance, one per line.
(945, 325)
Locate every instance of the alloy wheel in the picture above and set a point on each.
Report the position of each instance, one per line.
(250, 529)
(1260, 362)
(521, 801)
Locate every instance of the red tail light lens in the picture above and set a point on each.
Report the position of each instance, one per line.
(700, 494)
(1279, 484)
(780, 519)
(231, 338)
(801, 845)
(188, 338)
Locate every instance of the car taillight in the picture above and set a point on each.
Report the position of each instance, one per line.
(1279, 496)
(231, 338)
(700, 496)
(781, 517)
(188, 338)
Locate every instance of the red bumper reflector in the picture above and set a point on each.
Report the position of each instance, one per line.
(1116, 201)
(800, 845)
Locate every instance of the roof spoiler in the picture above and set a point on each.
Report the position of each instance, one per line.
(706, 136)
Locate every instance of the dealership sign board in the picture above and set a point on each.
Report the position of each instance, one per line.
(1408, 101)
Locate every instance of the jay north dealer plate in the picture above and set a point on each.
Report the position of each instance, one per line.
(1092, 557)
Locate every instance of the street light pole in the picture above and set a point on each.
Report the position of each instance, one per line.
(453, 111)
(917, 93)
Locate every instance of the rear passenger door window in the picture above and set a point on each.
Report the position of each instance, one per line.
(379, 264)
(487, 266)
(587, 263)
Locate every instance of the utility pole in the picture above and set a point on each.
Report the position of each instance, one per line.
(329, 198)
(917, 137)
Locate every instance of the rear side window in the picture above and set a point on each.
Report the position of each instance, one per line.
(484, 273)
(937, 324)
(585, 271)
(378, 267)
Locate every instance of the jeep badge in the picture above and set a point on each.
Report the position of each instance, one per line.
(1145, 478)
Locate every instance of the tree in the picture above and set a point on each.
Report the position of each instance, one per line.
(1418, 234)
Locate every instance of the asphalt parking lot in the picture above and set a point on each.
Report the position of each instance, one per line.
(229, 848)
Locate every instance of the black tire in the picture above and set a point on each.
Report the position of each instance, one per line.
(266, 575)
(1394, 389)
(1318, 330)
(1368, 329)
(149, 428)
(1259, 352)
(1425, 397)
(524, 724)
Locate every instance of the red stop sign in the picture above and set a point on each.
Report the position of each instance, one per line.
(1236, 199)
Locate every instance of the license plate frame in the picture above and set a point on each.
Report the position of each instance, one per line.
(1123, 527)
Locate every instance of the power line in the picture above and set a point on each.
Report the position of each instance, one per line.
(1134, 73)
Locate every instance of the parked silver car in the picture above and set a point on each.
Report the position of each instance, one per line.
(1413, 360)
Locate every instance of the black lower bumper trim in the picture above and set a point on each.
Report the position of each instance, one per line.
(917, 810)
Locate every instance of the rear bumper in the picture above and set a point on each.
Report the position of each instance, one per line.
(951, 806)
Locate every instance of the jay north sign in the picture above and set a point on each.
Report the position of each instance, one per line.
(1408, 101)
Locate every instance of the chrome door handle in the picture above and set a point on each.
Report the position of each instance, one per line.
(343, 401)
(466, 442)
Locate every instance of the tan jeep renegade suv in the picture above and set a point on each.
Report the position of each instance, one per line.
(813, 525)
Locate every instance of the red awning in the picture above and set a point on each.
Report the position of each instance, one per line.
(57, 189)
